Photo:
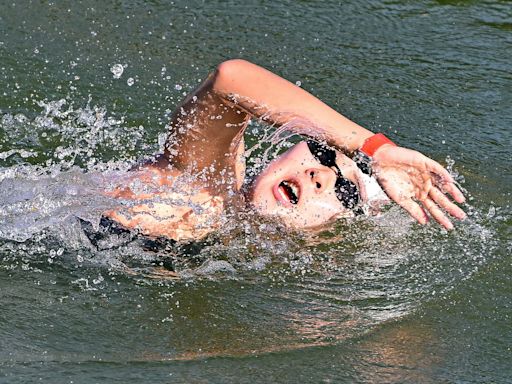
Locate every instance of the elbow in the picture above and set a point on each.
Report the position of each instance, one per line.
(232, 70)
(232, 66)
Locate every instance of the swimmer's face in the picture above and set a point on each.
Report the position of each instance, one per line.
(300, 191)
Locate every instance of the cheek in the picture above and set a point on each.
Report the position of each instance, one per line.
(318, 214)
(311, 215)
(261, 198)
(326, 202)
(298, 219)
(264, 180)
(321, 210)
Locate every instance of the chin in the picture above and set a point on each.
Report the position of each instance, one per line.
(259, 198)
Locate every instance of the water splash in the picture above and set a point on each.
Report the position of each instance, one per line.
(117, 70)
(68, 136)
(327, 285)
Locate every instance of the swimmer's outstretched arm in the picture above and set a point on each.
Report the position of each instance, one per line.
(238, 90)
(266, 95)
(206, 123)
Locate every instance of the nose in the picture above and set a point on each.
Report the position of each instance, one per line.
(320, 179)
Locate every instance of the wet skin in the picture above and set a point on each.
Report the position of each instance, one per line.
(300, 191)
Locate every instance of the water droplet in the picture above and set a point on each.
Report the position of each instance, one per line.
(98, 280)
(117, 70)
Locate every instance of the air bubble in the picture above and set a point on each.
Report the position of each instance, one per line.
(130, 81)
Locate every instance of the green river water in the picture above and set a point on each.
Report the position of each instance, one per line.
(370, 301)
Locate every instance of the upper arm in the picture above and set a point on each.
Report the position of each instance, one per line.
(205, 130)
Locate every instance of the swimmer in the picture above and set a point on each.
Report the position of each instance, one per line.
(338, 171)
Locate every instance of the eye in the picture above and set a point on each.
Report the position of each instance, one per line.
(312, 174)
(318, 185)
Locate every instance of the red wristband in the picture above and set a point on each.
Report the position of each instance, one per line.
(373, 143)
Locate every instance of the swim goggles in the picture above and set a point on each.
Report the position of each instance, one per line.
(345, 190)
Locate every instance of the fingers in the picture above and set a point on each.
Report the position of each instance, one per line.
(414, 210)
(437, 213)
(454, 192)
(434, 167)
(434, 204)
(419, 191)
(437, 200)
(425, 187)
(441, 200)
(447, 182)
(433, 200)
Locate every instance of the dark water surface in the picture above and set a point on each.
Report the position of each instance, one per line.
(370, 301)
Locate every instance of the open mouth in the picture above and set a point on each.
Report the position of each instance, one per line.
(289, 191)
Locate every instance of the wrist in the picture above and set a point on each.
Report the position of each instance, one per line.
(374, 143)
(365, 155)
(382, 148)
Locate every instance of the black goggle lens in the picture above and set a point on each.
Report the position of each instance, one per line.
(322, 154)
(346, 191)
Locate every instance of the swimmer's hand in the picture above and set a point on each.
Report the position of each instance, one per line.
(418, 184)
